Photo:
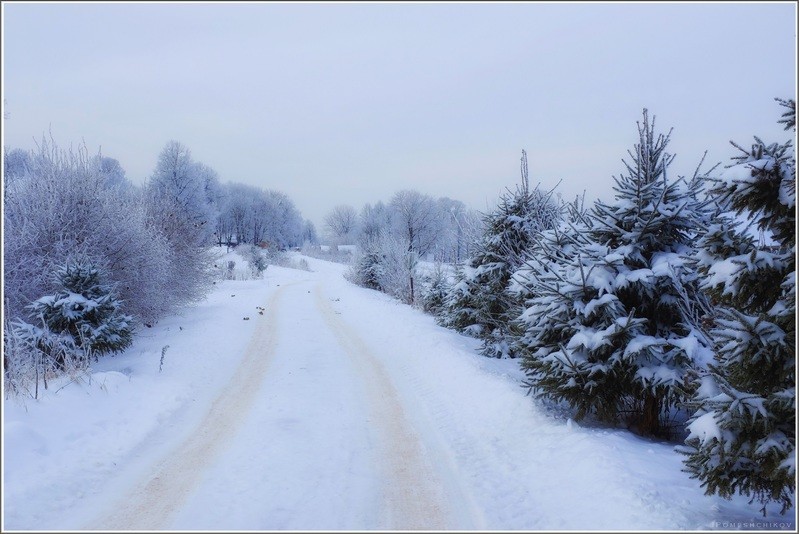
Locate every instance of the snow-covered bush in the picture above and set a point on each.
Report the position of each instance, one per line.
(366, 270)
(387, 264)
(397, 267)
(80, 321)
(743, 434)
(34, 355)
(86, 309)
(613, 327)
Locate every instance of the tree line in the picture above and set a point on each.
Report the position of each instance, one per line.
(89, 256)
(669, 309)
(393, 237)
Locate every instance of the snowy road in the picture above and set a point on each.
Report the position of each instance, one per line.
(409, 493)
(151, 503)
(337, 409)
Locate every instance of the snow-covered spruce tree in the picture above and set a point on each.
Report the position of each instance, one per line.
(435, 288)
(478, 303)
(742, 436)
(554, 246)
(83, 308)
(366, 269)
(613, 327)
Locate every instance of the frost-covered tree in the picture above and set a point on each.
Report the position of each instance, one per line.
(236, 212)
(397, 269)
(256, 259)
(113, 172)
(180, 203)
(253, 215)
(213, 192)
(425, 227)
(341, 224)
(742, 436)
(613, 328)
(387, 264)
(282, 221)
(179, 208)
(451, 245)
(373, 221)
(478, 303)
(392, 239)
(309, 236)
(416, 220)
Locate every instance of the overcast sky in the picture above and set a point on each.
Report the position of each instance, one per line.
(349, 103)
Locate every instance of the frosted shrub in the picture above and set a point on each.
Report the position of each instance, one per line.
(387, 264)
(257, 260)
(332, 253)
(230, 273)
(280, 258)
(397, 268)
(34, 355)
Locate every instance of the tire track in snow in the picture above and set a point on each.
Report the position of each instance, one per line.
(412, 496)
(153, 500)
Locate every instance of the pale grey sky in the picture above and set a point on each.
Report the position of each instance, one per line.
(350, 102)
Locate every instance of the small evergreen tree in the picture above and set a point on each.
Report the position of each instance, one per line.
(479, 303)
(85, 310)
(366, 270)
(613, 324)
(434, 291)
(742, 436)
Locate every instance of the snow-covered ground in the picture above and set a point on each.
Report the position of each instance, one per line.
(330, 407)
